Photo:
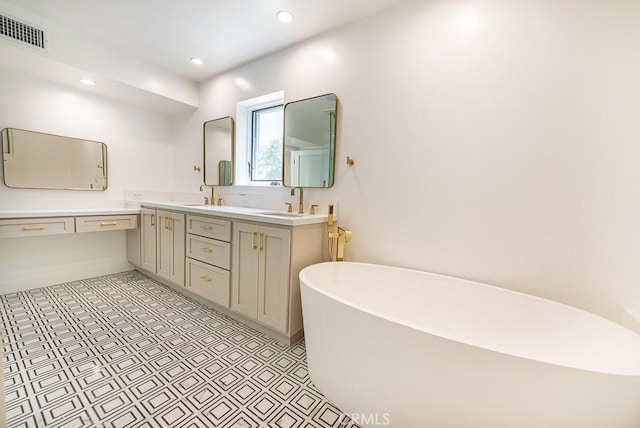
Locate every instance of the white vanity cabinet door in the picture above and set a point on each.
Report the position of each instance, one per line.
(260, 275)
(244, 274)
(273, 281)
(170, 246)
(148, 219)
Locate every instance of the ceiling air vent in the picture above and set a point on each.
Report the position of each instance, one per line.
(22, 32)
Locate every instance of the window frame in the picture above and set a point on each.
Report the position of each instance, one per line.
(253, 148)
(243, 161)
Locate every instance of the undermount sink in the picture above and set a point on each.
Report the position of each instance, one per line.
(281, 214)
(202, 206)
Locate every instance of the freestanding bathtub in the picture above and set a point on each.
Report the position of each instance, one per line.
(409, 349)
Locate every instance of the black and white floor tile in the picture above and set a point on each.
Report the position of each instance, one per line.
(125, 351)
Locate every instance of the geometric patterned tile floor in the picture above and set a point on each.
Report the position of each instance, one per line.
(123, 350)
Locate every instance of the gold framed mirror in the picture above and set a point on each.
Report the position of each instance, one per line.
(218, 136)
(310, 141)
(35, 160)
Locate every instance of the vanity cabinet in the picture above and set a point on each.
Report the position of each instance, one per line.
(162, 244)
(209, 258)
(261, 274)
(242, 263)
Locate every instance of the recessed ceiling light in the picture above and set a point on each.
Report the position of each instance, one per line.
(242, 83)
(285, 16)
(196, 60)
(88, 82)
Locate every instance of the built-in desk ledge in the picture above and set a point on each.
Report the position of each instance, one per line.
(39, 222)
(242, 213)
(65, 212)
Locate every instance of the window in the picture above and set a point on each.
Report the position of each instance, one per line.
(266, 144)
(258, 151)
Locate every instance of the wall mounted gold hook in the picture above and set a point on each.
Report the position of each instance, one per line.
(350, 161)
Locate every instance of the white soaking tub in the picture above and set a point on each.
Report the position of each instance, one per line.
(409, 349)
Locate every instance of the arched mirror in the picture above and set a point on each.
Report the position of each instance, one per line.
(310, 142)
(218, 152)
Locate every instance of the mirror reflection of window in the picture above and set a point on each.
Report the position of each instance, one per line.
(309, 146)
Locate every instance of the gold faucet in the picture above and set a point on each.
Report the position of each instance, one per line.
(211, 200)
(301, 203)
(341, 237)
(344, 236)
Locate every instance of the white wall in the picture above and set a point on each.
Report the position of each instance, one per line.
(493, 140)
(139, 142)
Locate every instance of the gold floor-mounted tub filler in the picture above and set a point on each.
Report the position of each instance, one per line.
(336, 239)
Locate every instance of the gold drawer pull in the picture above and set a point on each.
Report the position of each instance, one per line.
(206, 249)
(36, 227)
(108, 223)
(206, 226)
(253, 240)
(205, 278)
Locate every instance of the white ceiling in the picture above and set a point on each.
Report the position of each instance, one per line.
(224, 33)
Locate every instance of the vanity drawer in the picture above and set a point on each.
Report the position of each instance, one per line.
(12, 228)
(210, 251)
(209, 227)
(106, 223)
(209, 282)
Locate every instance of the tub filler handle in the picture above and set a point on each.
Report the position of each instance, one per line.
(336, 238)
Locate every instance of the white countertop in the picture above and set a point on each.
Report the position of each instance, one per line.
(242, 213)
(230, 212)
(67, 212)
